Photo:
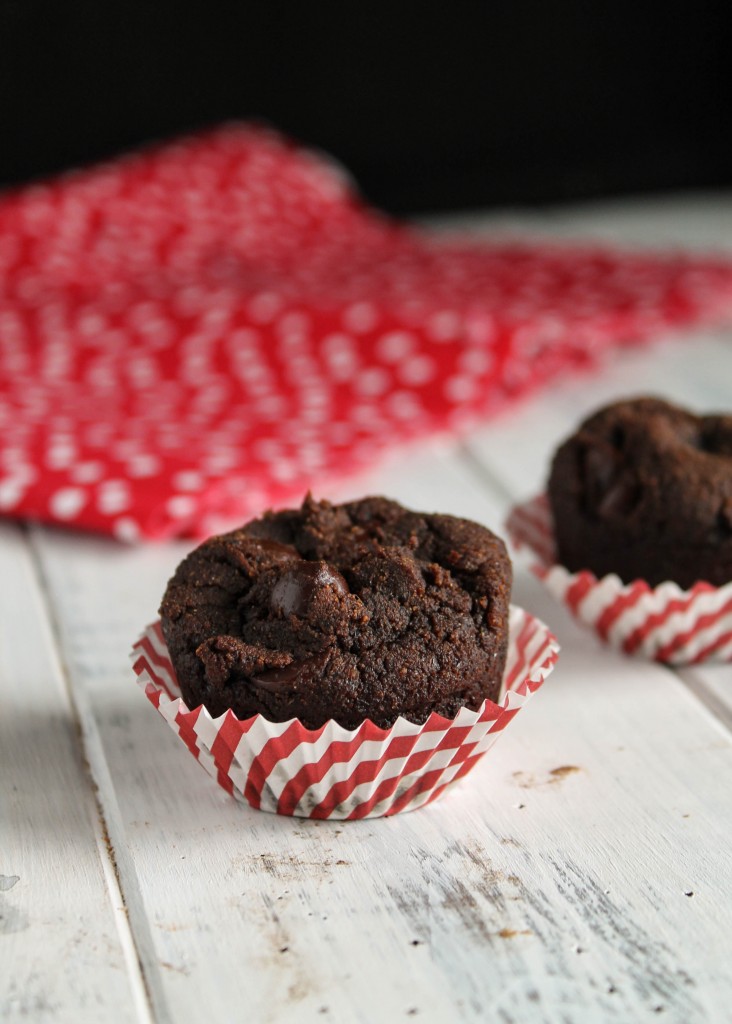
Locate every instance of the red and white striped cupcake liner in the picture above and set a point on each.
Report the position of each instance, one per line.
(665, 623)
(338, 773)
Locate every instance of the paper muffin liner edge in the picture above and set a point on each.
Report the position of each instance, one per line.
(333, 772)
(665, 623)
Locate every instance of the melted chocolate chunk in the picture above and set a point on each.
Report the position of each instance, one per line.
(279, 552)
(600, 467)
(227, 657)
(294, 591)
(282, 680)
(620, 499)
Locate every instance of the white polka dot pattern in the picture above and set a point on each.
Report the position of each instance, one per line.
(197, 331)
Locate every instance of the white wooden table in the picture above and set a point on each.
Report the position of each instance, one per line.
(582, 873)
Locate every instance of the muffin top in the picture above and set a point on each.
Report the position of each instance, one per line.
(349, 612)
(644, 489)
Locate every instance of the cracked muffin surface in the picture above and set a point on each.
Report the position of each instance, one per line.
(643, 489)
(349, 612)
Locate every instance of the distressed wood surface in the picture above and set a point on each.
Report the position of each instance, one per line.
(580, 873)
(66, 952)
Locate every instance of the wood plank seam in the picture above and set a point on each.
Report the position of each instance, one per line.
(119, 872)
(721, 712)
(485, 477)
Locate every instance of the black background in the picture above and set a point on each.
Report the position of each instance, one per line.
(430, 106)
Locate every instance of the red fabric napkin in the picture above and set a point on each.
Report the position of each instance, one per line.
(197, 331)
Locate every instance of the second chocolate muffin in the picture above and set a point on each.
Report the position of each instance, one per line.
(346, 612)
(644, 489)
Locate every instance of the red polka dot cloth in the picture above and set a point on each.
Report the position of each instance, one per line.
(197, 331)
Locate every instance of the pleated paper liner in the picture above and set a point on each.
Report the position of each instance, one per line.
(664, 623)
(334, 772)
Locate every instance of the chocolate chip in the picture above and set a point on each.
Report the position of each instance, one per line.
(620, 500)
(281, 680)
(278, 552)
(227, 658)
(599, 467)
(294, 591)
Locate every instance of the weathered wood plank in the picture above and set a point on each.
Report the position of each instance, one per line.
(65, 947)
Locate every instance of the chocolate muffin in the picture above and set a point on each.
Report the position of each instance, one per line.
(348, 612)
(644, 490)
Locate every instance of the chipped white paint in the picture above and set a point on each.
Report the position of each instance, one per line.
(584, 879)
